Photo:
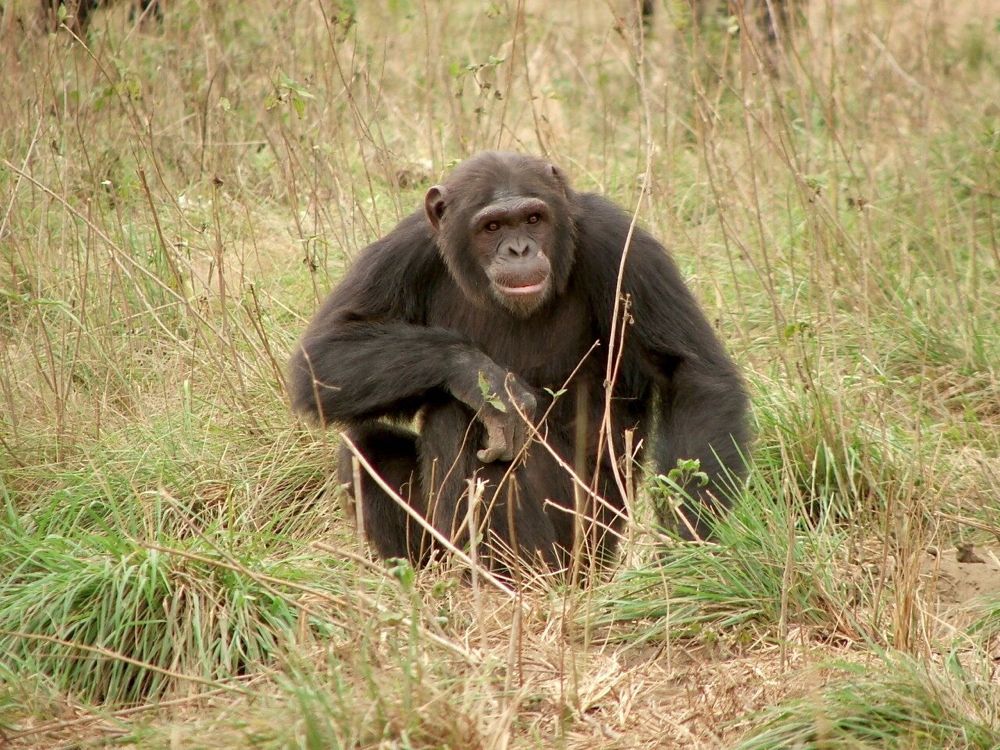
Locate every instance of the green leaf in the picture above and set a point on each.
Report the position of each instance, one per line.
(489, 396)
(402, 571)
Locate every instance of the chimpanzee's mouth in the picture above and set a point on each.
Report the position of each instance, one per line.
(523, 286)
(527, 289)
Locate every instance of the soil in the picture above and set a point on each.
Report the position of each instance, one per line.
(961, 575)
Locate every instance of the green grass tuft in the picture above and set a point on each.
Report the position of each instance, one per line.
(756, 573)
(897, 703)
(106, 618)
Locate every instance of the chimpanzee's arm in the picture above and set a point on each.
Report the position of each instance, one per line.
(702, 400)
(367, 353)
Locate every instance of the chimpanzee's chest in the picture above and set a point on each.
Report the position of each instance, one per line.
(542, 349)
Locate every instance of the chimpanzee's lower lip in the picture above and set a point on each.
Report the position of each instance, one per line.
(529, 289)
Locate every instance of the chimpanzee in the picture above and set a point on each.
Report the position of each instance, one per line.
(494, 305)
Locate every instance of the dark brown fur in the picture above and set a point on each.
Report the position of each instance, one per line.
(413, 330)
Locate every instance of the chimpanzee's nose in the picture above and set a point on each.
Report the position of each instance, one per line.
(518, 248)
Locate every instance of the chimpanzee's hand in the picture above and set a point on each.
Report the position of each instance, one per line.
(506, 430)
(499, 399)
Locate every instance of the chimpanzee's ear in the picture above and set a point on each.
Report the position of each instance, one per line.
(434, 205)
(560, 177)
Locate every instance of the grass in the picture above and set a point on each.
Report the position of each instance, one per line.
(176, 568)
(909, 704)
(761, 574)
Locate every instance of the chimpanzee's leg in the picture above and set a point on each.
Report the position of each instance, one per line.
(512, 512)
(392, 452)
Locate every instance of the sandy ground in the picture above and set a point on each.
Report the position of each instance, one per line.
(961, 576)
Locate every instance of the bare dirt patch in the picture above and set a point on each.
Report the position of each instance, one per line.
(960, 575)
